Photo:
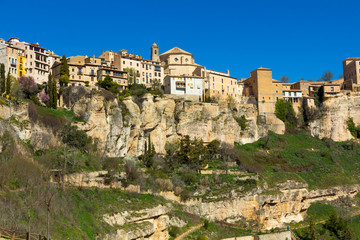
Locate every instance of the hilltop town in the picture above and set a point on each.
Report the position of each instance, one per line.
(116, 146)
(175, 72)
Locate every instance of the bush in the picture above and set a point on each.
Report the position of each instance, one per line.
(285, 112)
(76, 138)
(131, 171)
(185, 195)
(354, 130)
(174, 231)
(242, 121)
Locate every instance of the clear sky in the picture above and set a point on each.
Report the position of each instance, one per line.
(300, 39)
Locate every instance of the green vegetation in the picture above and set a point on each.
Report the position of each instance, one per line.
(108, 84)
(64, 72)
(285, 112)
(218, 230)
(132, 74)
(321, 164)
(2, 78)
(242, 121)
(354, 130)
(52, 92)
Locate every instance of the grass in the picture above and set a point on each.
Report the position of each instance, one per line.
(219, 231)
(67, 115)
(304, 158)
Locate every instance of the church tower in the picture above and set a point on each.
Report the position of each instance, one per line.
(155, 52)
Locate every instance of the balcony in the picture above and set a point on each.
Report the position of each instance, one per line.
(13, 64)
(79, 73)
(181, 85)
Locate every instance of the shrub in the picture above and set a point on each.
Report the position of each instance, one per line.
(174, 231)
(242, 121)
(285, 112)
(354, 130)
(185, 195)
(44, 97)
(131, 171)
(76, 138)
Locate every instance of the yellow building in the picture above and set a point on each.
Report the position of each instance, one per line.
(21, 68)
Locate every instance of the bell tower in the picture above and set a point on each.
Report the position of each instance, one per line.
(155, 52)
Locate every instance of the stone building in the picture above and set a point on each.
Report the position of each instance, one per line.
(120, 77)
(351, 72)
(22, 58)
(146, 70)
(217, 85)
(265, 89)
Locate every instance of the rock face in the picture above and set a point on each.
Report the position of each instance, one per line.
(270, 211)
(123, 128)
(334, 115)
(148, 224)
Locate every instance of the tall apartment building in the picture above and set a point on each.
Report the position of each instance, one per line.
(351, 73)
(22, 58)
(265, 89)
(146, 70)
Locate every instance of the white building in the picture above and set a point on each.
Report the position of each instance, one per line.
(293, 96)
(181, 85)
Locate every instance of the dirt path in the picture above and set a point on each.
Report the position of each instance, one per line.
(193, 229)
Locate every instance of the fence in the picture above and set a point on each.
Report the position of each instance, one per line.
(16, 235)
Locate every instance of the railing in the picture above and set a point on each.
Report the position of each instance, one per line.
(15, 235)
(13, 64)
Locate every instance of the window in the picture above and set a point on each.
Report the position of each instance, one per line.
(332, 89)
(123, 62)
(222, 80)
(176, 59)
(130, 63)
(137, 64)
(159, 74)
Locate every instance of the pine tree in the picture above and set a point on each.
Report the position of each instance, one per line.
(2, 79)
(64, 72)
(8, 84)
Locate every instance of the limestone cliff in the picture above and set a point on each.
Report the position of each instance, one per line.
(333, 116)
(151, 224)
(269, 211)
(124, 127)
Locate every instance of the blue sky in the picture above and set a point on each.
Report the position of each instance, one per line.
(300, 39)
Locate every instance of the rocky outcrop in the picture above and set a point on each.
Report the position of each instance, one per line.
(333, 117)
(123, 128)
(148, 224)
(273, 210)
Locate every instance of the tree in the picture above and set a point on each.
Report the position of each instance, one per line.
(284, 79)
(328, 75)
(108, 84)
(52, 92)
(28, 86)
(132, 74)
(285, 112)
(2, 79)
(8, 84)
(155, 84)
(64, 72)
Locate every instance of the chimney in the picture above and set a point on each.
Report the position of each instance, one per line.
(228, 72)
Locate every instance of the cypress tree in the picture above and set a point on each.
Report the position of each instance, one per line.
(64, 72)
(8, 84)
(52, 92)
(2, 79)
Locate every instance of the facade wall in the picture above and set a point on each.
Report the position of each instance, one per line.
(184, 85)
(147, 70)
(221, 86)
(119, 77)
(266, 90)
(351, 70)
